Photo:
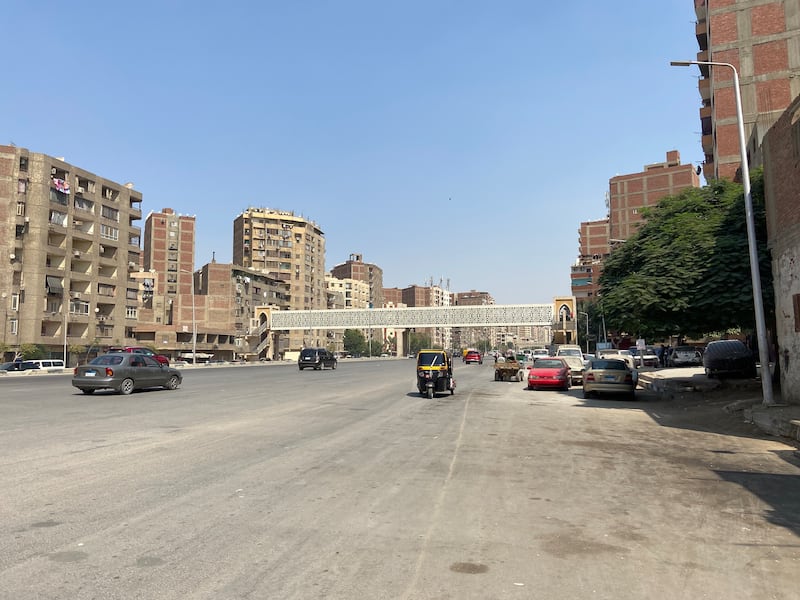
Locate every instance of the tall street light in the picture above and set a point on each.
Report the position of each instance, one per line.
(761, 327)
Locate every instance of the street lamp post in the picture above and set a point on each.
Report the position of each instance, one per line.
(755, 275)
(585, 314)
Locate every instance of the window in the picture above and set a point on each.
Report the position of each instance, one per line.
(13, 324)
(58, 218)
(57, 196)
(23, 163)
(20, 209)
(22, 186)
(110, 213)
(53, 285)
(83, 204)
(78, 307)
(109, 233)
(131, 312)
(796, 303)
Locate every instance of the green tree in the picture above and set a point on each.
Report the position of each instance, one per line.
(354, 341)
(31, 352)
(687, 270)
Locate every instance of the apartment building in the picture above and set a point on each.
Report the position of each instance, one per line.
(628, 196)
(761, 39)
(288, 248)
(355, 268)
(69, 243)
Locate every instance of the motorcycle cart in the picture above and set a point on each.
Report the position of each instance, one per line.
(434, 373)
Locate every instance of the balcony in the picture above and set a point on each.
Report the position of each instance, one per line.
(704, 86)
(701, 33)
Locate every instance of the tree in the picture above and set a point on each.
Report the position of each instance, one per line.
(31, 352)
(354, 341)
(687, 269)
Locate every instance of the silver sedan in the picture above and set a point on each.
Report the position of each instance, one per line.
(123, 373)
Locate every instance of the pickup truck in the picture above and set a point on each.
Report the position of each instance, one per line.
(506, 369)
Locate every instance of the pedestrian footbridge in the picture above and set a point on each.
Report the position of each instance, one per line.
(491, 315)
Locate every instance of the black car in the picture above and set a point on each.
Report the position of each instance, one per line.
(729, 358)
(316, 358)
(19, 365)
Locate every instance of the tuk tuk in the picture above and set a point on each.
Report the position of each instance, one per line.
(434, 372)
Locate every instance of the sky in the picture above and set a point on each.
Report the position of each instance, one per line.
(459, 142)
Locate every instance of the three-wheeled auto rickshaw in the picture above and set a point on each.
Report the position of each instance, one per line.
(434, 372)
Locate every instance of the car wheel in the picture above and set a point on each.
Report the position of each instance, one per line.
(709, 373)
(87, 391)
(126, 387)
(173, 383)
(586, 395)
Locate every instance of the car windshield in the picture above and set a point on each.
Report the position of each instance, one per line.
(608, 365)
(430, 359)
(548, 363)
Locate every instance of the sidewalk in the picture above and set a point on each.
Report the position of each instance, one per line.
(781, 420)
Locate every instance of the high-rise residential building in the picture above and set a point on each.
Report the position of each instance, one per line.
(414, 295)
(354, 292)
(628, 195)
(169, 245)
(291, 249)
(68, 243)
(372, 275)
(761, 39)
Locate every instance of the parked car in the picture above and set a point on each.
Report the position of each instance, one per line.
(647, 357)
(609, 376)
(124, 372)
(316, 358)
(140, 350)
(683, 356)
(473, 356)
(51, 365)
(19, 365)
(729, 358)
(549, 373)
(576, 368)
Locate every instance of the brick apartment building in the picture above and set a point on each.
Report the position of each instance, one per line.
(761, 38)
(355, 268)
(628, 195)
(69, 241)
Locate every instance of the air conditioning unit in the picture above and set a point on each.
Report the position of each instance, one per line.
(76, 253)
(131, 265)
(81, 190)
(75, 295)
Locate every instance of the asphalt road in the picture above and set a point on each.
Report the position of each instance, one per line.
(265, 482)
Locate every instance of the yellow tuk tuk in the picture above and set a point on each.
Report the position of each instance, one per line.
(434, 372)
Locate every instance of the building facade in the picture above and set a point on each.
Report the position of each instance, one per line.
(761, 39)
(291, 249)
(628, 196)
(69, 241)
(355, 268)
(781, 186)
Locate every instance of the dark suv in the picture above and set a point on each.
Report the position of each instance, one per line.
(140, 350)
(317, 358)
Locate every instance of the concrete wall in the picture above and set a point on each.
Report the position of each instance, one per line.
(782, 182)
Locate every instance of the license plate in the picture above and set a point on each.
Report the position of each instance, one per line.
(609, 378)
(90, 373)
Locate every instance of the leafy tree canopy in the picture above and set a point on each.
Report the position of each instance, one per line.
(687, 270)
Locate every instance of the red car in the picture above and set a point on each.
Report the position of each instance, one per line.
(140, 350)
(473, 356)
(549, 372)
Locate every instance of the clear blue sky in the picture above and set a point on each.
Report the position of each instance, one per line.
(456, 140)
